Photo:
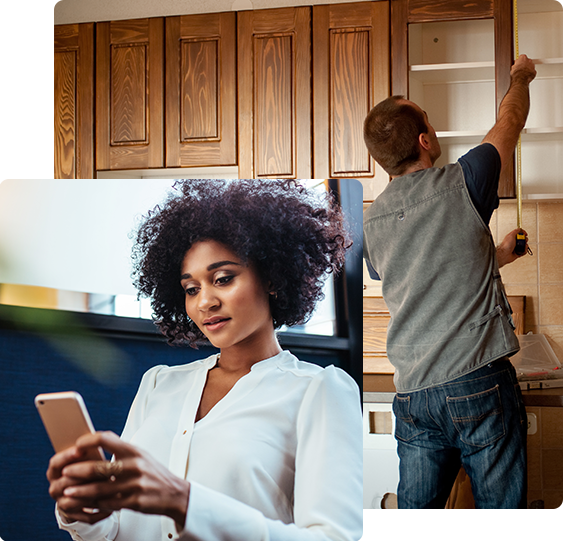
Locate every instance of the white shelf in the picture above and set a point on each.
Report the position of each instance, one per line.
(477, 71)
(542, 134)
(454, 72)
(469, 136)
(528, 134)
(548, 60)
(548, 68)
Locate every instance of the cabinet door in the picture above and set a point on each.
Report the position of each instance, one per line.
(200, 90)
(129, 94)
(74, 101)
(274, 93)
(350, 75)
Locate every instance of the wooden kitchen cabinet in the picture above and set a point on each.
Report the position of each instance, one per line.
(74, 101)
(453, 58)
(274, 93)
(201, 127)
(247, 88)
(350, 76)
(130, 94)
(347, 74)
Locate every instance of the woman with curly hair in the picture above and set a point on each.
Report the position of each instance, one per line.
(248, 444)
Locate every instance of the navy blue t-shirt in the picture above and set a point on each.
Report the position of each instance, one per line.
(481, 169)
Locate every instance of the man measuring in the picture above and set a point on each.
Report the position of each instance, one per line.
(450, 335)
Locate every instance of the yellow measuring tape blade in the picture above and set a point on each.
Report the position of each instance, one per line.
(519, 147)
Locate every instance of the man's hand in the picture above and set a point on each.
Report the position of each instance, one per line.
(505, 250)
(523, 69)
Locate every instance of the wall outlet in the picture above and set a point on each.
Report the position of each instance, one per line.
(532, 423)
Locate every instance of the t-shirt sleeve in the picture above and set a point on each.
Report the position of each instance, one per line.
(481, 169)
(371, 271)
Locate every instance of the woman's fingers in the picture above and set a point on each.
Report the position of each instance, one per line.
(100, 469)
(94, 498)
(57, 481)
(106, 494)
(79, 485)
(94, 470)
(91, 516)
(62, 459)
(109, 441)
(134, 480)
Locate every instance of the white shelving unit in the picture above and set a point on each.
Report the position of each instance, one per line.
(540, 32)
(451, 76)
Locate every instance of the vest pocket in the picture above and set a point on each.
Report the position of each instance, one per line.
(478, 418)
(405, 427)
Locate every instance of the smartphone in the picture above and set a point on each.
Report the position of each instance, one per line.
(66, 418)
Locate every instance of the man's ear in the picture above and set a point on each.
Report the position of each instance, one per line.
(424, 141)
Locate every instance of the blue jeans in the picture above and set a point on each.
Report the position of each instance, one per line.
(478, 421)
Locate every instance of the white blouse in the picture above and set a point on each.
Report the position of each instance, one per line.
(279, 458)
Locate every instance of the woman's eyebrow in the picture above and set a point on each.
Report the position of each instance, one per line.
(214, 266)
(211, 267)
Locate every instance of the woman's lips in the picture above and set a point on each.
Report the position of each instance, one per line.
(216, 323)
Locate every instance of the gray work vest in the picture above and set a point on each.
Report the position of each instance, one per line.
(437, 261)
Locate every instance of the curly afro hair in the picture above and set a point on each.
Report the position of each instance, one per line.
(293, 236)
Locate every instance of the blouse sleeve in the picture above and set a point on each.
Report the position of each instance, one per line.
(106, 530)
(328, 477)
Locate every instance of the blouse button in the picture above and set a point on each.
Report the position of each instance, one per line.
(170, 536)
(401, 216)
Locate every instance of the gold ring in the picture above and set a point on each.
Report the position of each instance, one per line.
(109, 470)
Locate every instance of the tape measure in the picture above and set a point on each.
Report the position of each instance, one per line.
(520, 248)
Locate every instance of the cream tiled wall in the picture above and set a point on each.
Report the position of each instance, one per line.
(539, 277)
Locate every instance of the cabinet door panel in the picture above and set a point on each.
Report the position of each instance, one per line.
(200, 103)
(351, 75)
(65, 113)
(274, 93)
(273, 107)
(201, 83)
(350, 98)
(129, 94)
(74, 101)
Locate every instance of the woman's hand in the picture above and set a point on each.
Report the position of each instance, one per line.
(59, 482)
(135, 481)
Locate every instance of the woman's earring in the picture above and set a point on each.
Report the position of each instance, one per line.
(274, 294)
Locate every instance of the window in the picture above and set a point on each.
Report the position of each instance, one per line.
(65, 244)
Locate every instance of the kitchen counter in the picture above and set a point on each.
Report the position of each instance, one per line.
(544, 397)
(378, 398)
